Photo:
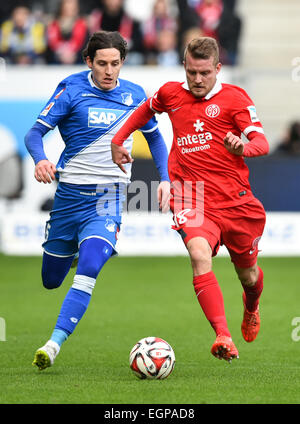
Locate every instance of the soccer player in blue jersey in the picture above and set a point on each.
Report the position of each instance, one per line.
(88, 107)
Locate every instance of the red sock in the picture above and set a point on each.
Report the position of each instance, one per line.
(253, 293)
(210, 298)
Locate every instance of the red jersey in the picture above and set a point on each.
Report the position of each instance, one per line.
(200, 125)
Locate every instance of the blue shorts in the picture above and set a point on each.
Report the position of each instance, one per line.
(81, 212)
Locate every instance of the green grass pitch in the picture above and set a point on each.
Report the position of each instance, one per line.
(139, 297)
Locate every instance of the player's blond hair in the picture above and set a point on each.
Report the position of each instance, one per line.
(203, 48)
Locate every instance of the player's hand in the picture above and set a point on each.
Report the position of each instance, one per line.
(44, 171)
(234, 144)
(120, 156)
(163, 196)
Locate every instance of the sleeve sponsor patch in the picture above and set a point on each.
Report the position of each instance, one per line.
(253, 114)
(47, 109)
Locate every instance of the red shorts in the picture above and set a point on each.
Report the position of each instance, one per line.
(239, 228)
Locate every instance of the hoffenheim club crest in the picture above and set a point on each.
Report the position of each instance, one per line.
(110, 225)
(127, 99)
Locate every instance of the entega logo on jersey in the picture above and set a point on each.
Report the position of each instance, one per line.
(103, 118)
(201, 139)
(194, 139)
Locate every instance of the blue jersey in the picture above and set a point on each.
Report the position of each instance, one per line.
(87, 118)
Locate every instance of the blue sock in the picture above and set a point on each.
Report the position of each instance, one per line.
(72, 310)
(93, 254)
(59, 336)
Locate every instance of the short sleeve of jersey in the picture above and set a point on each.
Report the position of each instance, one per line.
(57, 107)
(157, 102)
(244, 113)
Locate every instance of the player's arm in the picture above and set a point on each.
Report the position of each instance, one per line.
(44, 169)
(159, 154)
(58, 107)
(138, 119)
(157, 148)
(245, 119)
(257, 146)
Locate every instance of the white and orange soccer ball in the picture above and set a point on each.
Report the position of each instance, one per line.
(152, 358)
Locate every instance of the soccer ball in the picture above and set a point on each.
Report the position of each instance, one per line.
(152, 358)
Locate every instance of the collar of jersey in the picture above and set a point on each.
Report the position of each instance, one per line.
(216, 88)
(98, 88)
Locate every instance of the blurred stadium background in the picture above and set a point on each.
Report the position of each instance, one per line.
(40, 43)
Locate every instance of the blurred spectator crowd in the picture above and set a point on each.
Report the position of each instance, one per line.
(157, 31)
(289, 145)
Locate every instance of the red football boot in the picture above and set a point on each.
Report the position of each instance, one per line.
(251, 323)
(224, 348)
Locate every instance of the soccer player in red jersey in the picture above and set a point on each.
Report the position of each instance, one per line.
(211, 198)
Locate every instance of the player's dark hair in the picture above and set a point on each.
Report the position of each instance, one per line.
(203, 48)
(105, 40)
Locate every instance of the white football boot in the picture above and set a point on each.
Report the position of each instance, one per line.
(45, 355)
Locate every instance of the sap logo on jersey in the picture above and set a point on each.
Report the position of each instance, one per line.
(103, 118)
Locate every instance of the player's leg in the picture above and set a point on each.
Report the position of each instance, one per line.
(206, 286)
(202, 242)
(252, 281)
(210, 297)
(55, 269)
(93, 254)
(61, 242)
(245, 225)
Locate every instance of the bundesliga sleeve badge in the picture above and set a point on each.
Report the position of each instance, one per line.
(47, 109)
(253, 114)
